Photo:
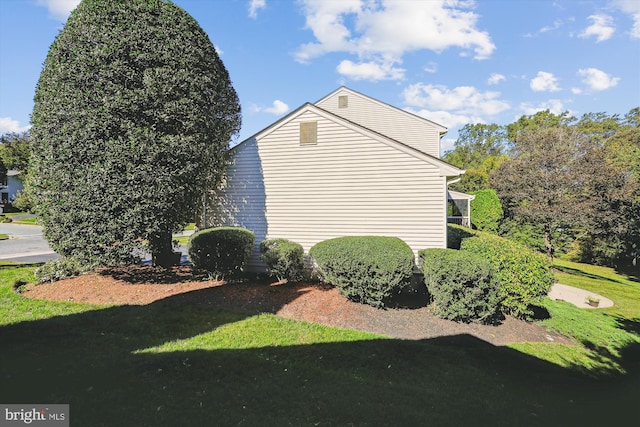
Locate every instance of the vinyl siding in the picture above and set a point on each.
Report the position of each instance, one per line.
(387, 120)
(240, 201)
(347, 184)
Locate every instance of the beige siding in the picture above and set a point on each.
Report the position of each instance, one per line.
(347, 184)
(387, 120)
(241, 200)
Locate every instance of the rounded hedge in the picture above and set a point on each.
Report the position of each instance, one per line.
(455, 234)
(524, 276)
(366, 269)
(462, 284)
(222, 251)
(284, 259)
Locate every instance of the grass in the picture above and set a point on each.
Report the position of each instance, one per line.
(182, 240)
(4, 236)
(26, 221)
(173, 363)
(603, 335)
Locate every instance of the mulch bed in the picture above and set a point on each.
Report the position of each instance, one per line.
(311, 302)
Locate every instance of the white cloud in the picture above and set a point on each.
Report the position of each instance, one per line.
(59, 9)
(278, 108)
(370, 71)
(553, 105)
(431, 67)
(544, 82)
(495, 78)
(256, 5)
(219, 51)
(447, 144)
(597, 79)
(370, 30)
(445, 118)
(556, 24)
(632, 8)
(462, 100)
(8, 125)
(602, 28)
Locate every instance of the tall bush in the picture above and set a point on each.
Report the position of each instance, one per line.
(462, 284)
(284, 259)
(486, 211)
(222, 251)
(366, 269)
(132, 117)
(524, 276)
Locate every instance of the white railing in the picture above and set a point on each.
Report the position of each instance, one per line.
(459, 220)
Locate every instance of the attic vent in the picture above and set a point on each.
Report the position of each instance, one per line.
(308, 133)
(343, 101)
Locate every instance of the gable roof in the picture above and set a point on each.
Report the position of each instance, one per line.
(442, 130)
(445, 168)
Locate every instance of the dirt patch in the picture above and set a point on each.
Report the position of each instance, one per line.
(301, 301)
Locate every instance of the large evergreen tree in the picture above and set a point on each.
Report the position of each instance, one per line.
(133, 115)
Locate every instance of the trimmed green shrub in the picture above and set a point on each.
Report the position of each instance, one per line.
(60, 268)
(366, 269)
(455, 234)
(462, 284)
(524, 276)
(222, 251)
(486, 211)
(130, 128)
(284, 259)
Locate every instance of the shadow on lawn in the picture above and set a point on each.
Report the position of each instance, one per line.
(88, 360)
(578, 272)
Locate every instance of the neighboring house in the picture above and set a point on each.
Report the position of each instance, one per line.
(9, 189)
(347, 165)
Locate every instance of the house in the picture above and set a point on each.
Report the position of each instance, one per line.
(9, 189)
(346, 165)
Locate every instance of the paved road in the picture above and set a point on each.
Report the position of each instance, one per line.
(25, 244)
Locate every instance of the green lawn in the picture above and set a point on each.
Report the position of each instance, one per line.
(172, 363)
(608, 338)
(27, 221)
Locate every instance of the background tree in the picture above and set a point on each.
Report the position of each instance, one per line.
(614, 235)
(133, 114)
(479, 149)
(540, 120)
(545, 181)
(15, 150)
(3, 173)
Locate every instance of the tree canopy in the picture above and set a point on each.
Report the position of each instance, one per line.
(133, 115)
(15, 150)
(564, 182)
(479, 149)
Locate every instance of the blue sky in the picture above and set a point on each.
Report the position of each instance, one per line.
(454, 62)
